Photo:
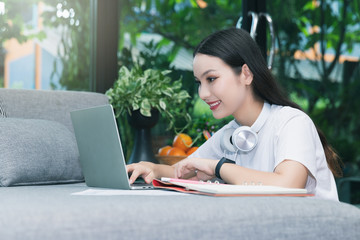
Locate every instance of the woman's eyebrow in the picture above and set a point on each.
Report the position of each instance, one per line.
(206, 72)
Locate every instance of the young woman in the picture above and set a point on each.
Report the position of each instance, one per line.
(270, 141)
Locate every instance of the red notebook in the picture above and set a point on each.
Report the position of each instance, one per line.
(226, 190)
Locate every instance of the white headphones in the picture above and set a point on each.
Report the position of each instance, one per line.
(244, 138)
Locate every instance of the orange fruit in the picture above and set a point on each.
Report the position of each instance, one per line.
(174, 151)
(182, 141)
(163, 151)
(191, 150)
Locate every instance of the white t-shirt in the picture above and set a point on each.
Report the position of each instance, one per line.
(288, 133)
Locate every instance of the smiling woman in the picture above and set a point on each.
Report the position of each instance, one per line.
(286, 148)
(253, 84)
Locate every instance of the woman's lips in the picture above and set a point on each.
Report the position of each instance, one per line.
(214, 105)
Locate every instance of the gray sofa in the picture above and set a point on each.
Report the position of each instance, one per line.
(39, 163)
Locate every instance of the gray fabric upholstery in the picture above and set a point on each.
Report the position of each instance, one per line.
(51, 212)
(40, 152)
(2, 113)
(46, 104)
(37, 151)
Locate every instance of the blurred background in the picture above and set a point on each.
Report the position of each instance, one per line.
(81, 44)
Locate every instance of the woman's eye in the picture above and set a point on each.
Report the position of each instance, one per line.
(211, 79)
(198, 82)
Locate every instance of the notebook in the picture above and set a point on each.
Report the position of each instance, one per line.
(101, 155)
(227, 190)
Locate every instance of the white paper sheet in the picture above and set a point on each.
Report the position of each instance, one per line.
(113, 192)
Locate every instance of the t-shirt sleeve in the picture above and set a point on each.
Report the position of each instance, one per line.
(296, 140)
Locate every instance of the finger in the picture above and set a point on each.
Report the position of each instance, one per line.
(188, 173)
(186, 170)
(175, 173)
(179, 171)
(135, 174)
(148, 178)
(194, 178)
(203, 176)
(176, 170)
(179, 167)
(130, 168)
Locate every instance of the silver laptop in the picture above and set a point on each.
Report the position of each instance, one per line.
(101, 155)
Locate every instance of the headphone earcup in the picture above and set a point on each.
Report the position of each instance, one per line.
(244, 139)
(225, 141)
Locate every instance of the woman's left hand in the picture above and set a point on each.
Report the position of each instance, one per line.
(195, 169)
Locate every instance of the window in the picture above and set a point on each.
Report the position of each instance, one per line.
(45, 44)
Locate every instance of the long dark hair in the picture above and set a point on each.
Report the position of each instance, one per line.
(235, 47)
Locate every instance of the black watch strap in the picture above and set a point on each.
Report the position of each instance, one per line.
(219, 165)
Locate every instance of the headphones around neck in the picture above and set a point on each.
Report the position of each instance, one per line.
(244, 138)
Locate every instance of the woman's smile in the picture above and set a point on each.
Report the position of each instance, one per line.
(214, 105)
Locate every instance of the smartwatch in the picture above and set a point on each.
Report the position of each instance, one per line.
(220, 163)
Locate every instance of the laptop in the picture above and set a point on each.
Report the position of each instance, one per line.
(101, 155)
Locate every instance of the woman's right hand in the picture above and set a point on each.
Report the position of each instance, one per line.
(202, 168)
(144, 169)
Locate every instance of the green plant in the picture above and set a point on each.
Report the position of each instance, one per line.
(137, 89)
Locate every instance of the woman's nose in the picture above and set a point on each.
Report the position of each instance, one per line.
(204, 91)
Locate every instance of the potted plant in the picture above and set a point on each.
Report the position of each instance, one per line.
(142, 95)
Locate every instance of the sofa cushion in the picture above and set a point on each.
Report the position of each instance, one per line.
(34, 151)
(53, 105)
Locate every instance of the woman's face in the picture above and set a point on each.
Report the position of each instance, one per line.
(220, 87)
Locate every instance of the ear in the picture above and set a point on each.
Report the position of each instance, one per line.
(248, 74)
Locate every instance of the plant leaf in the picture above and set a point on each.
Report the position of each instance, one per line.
(145, 104)
(145, 112)
(162, 104)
